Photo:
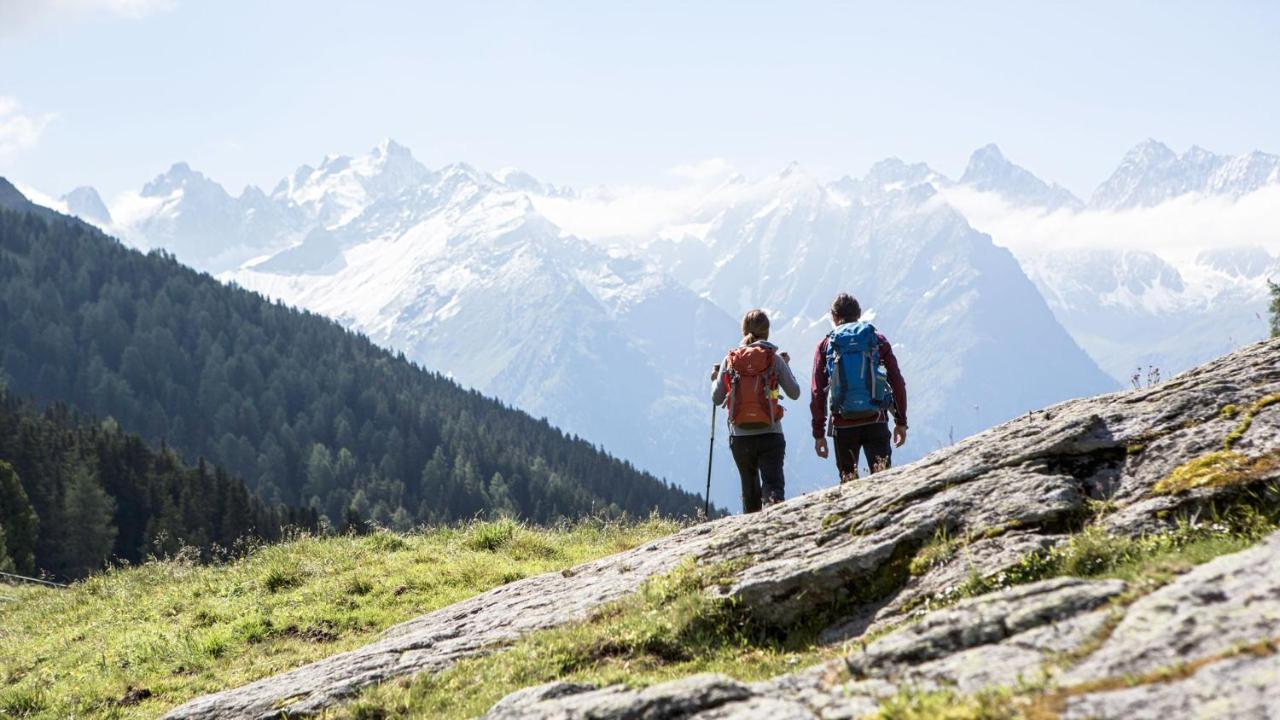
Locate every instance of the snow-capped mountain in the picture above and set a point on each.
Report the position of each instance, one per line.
(193, 217)
(334, 193)
(1151, 173)
(1133, 310)
(1129, 307)
(611, 337)
(85, 203)
(989, 171)
(1243, 263)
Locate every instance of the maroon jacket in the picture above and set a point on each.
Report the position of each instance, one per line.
(818, 396)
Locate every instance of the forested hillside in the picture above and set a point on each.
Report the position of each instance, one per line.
(75, 494)
(305, 411)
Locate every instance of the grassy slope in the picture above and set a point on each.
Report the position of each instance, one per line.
(176, 631)
(672, 630)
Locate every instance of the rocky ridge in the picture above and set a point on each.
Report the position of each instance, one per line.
(845, 554)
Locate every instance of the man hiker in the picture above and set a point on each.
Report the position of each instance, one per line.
(856, 387)
(748, 387)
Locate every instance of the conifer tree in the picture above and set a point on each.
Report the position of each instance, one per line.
(88, 533)
(19, 520)
(6, 563)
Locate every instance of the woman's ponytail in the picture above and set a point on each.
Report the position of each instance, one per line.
(755, 327)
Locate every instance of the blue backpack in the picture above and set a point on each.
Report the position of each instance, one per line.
(858, 386)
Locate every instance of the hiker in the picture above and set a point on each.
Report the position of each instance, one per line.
(867, 389)
(749, 388)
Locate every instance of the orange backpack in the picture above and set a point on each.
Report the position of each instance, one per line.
(751, 386)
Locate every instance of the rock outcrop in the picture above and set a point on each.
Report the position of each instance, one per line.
(1206, 645)
(846, 554)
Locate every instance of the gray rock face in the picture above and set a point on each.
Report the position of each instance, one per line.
(987, 620)
(1243, 688)
(1218, 606)
(1021, 485)
(1221, 620)
(993, 640)
(680, 698)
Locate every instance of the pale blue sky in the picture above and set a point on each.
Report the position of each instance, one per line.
(113, 91)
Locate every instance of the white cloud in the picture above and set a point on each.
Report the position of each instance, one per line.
(19, 130)
(681, 210)
(640, 212)
(629, 213)
(1176, 229)
(18, 15)
(645, 212)
(42, 199)
(701, 171)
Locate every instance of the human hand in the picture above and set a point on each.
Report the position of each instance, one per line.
(820, 447)
(899, 435)
(786, 357)
(715, 371)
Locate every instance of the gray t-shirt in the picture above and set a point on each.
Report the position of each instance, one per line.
(786, 381)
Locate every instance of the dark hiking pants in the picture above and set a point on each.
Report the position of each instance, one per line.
(871, 440)
(759, 460)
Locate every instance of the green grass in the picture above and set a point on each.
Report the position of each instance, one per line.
(673, 628)
(173, 630)
(1145, 561)
(913, 704)
(936, 552)
(670, 629)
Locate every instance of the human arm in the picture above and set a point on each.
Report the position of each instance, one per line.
(899, 386)
(896, 382)
(818, 392)
(719, 388)
(786, 379)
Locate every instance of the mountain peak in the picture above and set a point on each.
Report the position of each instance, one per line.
(335, 163)
(1151, 151)
(85, 203)
(990, 171)
(985, 162)
(390, 148)
(11, 198)
(990, 151)
(464, 170)
(1196, 152)
(1151, 173)
(895, 170)
(179, 175)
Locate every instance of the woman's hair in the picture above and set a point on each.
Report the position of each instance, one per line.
(755, 326)
(845, 309)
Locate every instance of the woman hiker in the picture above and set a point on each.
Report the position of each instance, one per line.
(748, 387)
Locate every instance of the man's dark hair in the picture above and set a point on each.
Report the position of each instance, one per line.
(845, 309)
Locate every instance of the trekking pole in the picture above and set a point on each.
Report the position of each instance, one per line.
(711, 448)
